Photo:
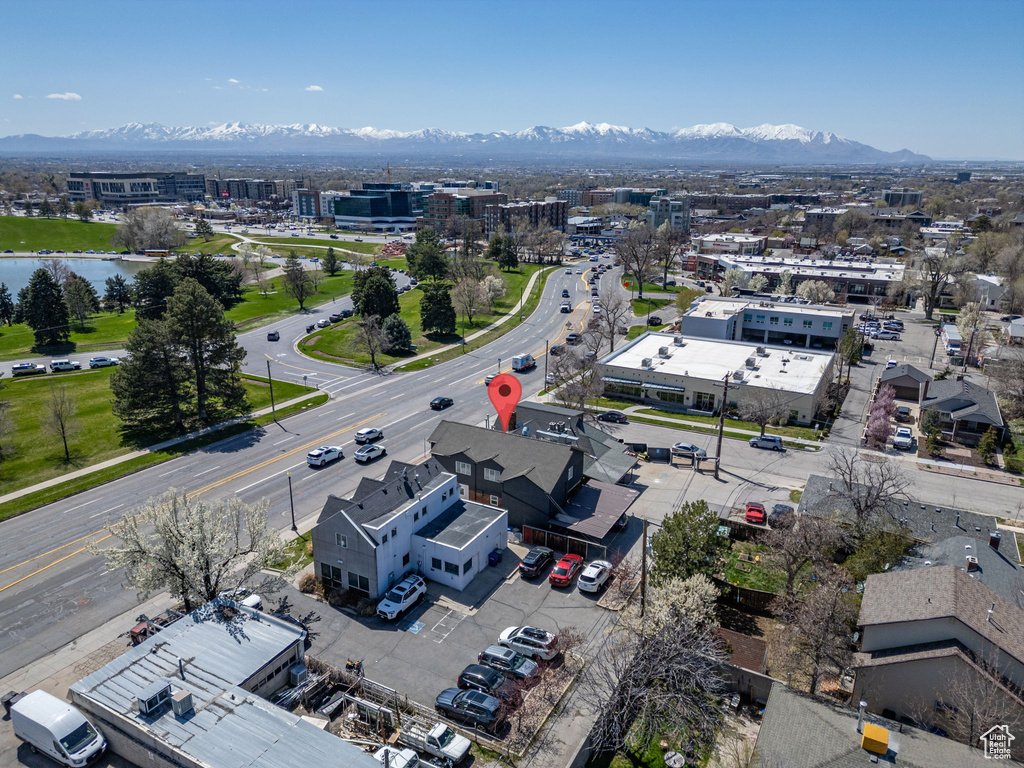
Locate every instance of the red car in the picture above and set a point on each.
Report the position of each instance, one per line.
(755, 513)
(561, 575)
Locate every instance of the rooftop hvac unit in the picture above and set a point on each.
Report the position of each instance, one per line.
(751, 362)
(662, 351)
(678, 341)
(181, 703)
(646, 362)
(154, 696)
(762, 351)
(738, 375)
(297, 675)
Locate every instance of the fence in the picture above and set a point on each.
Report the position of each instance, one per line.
(751, 599)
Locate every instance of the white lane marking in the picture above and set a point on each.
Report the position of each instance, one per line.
(346, 416)
(206, 471)
(398, 396)
(268, 477)
(290, 437)
(80, 506)
(165, 474)
(105, 511)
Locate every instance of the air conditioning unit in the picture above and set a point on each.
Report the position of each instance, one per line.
(662, 351)
(646, 362)
(737, 375)
(678, 341)
(181, 703)
(762, 351)
(751, 362)
(154, 696)
(297, 675)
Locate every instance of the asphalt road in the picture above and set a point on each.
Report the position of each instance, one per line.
(52, 589)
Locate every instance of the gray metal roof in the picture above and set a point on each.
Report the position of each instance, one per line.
(802, 731)
(462, 522)
(375, 498)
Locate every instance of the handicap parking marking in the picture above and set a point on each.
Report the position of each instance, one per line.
(413, 626)
(440, 631)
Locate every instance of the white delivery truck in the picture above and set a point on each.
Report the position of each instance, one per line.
(56, 729)
(440, 741)
(523, 362)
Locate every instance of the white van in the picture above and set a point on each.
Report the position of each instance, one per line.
(55, 728)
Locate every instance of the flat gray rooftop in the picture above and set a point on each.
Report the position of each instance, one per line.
(460, 523)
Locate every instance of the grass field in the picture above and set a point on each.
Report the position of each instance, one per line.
(282, 244)
(22, 234)
(105, 330)
(642, 306)
(339, 342)
(258, 309)
(37, 454)
(219, 243)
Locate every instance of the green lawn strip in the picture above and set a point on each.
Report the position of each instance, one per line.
(635, 331)
(296, 553)
(753, 575)
(713, 431)
(219, 243)
(283, 244)
(807, 433)
(258, 390)
(642, 306)
(259, 309)
(19, 233)
(627, 277)
(103, 330)
(795, 496)
(49, 495)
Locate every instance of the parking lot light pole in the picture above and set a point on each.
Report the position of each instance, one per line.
(291, 501)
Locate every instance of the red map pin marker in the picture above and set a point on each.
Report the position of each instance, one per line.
(504, 391)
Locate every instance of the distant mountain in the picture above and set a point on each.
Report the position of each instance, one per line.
(717, 142)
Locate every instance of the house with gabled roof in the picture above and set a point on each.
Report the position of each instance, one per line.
(966, 410)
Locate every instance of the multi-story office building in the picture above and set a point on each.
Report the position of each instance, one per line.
(306, 203)
(898, 197)
(249, 189)
(750, 245)
(675, 211)
(572, 197)
(554, 213)
(132, 189)
(592, 197)
(473, 204)
(379, 206)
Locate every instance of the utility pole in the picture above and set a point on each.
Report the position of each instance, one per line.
(545, 363)
(291, 501)
(721, 424)
(970, 345)
(643, 572)
(935, 345)
(520, 303)
(273, 410)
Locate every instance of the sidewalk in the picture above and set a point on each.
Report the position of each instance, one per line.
(150, 449)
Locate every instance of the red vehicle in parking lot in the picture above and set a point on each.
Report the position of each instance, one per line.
(562, 574)
(755, 513)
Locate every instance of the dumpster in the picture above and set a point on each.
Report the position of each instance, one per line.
(494, 558)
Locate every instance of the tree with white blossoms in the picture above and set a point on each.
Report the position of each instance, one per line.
(785, 286)
(816, 291)
(758, 283)
(196, 550)
(733, 278)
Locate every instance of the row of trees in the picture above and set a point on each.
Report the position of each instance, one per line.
(63, 208)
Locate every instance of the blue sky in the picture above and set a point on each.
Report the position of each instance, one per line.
(942, 78)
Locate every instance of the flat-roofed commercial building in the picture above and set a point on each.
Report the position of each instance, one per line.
(772, 321)
(688, 373)
(554, 213)
(379, 206)
(473, 204)
(131, 189)
(749, 245)
(676, 211)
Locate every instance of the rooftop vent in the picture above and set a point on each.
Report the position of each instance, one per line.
(181, 703)
(646, 362)
(737, 375)
(762, 351)
(154, 696)
(751, 362)
(678, 341)
(662, 351)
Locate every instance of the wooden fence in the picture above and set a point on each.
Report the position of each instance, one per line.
(751, 599)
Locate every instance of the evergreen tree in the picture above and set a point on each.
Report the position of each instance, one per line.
(150, 385)
(46, 208)
(153, 287)
(426, 259)
(436, 310)
(196, 323)
(297, 282)
(687, 544)
(204, 230)
(118, 294)
(378, 297)
(81, 298)
(29, 209)
(397, 331)
(41, 305)
(6, 305)
(508, 259)
(330, 262)
(359, 282)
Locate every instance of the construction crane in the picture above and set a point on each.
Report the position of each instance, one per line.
(389, 168)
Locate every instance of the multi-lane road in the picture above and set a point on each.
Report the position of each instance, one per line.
(52, 589)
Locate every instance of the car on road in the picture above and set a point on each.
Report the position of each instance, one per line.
(535, 562)
(573, 338)
(754, 513)
(401, 597)
(337, 317)
(689, 450)
(568, 271)
(556, 349)
(471, 707)
(310, 328)
(565, 293)
(489, 378)
(890, 363)
(565, 308)
(369, 453)
(359, 240)
(615, 417)
(323, 323)
(579, 271)
(530, 641)
(368, 435)
(103, 362)
(655, 320)
(594, 576)
(333, 237)
(768, 442)
(510, 663)
(886, 335)
(440, 403)
(325, 454)
(65, 365)
(27, 369)
(273, 336)
(564, 571)
(903, 439)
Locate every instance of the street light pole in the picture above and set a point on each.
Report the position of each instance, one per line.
(291, 501)
(273, 409)
(463, 333)
(520, 303)
(545, 363)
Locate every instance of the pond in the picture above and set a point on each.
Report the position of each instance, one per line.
(17, 272)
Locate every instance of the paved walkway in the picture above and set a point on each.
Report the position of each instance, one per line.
(150, 449)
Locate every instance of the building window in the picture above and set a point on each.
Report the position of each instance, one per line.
(703, 401)
(773, 321)
(760, 318)
(569, 475)
(341, 540)
(467, 567)
(827, 325)
(808, 323)
(494, 475)
(405, 559)
(394, 532)
(384, 539)
(494, 501)
(415, 516)
(435, 563)
(452, 568)
(787, 321)
(462, 468)
(747, 317)
(355, 581)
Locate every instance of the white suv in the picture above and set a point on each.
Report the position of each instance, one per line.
(403, 596)
(325, 453)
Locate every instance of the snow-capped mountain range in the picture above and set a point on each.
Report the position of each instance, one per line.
(720, 142)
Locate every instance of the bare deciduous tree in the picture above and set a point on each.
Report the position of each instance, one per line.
(60, 416)
(638, 253)
(372, 339)
(933, 270)
(796, 542)
(468, 297)
(577, 378)
(614, 310)
(148, 229)
(58, 269)
(865, 487)
(764, 406)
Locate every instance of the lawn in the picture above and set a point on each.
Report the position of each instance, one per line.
(642, 306)
(627, 277)
(37, 454)
(297, 552)
(807, 433)
(258, 309)
(339, 342)
(22, 234)
(219, 243)
(743, 567)
(635, 331)
(104, 330)
(281, 244)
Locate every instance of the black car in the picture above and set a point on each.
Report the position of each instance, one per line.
(477, 677)
(565, 293)
(1004, 318)
(573, 338)
(310, 328)
(655, 320)
(337, 317)
(555, 350)
(346, 313)
(778, 514)
(536, 560)
(440, 403)
(472, 707)
(615, 417)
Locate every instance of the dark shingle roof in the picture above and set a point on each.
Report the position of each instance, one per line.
(927, 522)
(943, 591)
(745, 651)
(964, 400)
(541, 461)
(381, 497)
(995, 570)
(801, 731)
(899, 371)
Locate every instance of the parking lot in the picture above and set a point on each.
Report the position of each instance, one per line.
(423, 652)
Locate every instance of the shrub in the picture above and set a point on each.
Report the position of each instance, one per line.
(309, 583)
(367, 607)
(1014, 464)
(988, 444)
(933, 444)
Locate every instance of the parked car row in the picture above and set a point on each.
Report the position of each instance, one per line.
(592, 578)
(62, 364)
